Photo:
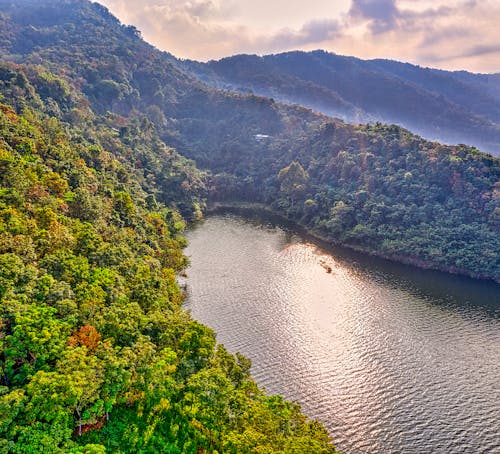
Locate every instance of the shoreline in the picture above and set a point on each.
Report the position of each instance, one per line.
(214, 207)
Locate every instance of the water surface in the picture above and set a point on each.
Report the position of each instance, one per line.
(390, 358)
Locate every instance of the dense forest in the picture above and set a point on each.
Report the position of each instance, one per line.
(451, 107)
(107, 148)
(403, 197)
(379, 189)
(96, 352)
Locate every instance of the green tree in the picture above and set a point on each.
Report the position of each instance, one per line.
(293, 180)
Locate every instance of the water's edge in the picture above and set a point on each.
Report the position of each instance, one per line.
(391, 358)
(249, 208)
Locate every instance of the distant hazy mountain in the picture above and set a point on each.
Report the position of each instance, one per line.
(452, 107)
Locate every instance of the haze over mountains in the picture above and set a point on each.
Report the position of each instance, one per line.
(450, 107)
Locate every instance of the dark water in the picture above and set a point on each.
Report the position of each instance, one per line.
(390, 358)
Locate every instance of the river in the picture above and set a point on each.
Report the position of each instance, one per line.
(392, 359)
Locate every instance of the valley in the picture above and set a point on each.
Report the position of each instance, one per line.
(112, 154)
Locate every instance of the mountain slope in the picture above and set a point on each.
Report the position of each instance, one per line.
(96, 353)
(118, 71)
(245, 140)
(451, 107)
(95, 350)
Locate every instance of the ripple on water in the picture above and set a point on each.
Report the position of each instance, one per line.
(388, 362)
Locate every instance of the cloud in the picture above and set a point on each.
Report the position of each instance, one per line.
(477, 51)
(456, 34)
(470, 52)
(313, 32)
(204, 29)
(382, 15)
(191, 28)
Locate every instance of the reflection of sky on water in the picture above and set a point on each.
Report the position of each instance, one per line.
(383, 354)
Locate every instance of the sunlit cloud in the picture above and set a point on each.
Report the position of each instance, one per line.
(313, 32)
(453, 34)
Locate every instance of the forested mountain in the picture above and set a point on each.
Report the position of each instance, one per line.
(119, 72)
(451, 107)
(249, 138)
(379, 189)
(97, 129)
(96, 354)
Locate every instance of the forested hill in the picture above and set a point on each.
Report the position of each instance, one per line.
(119, 72)
(444, 198)
(451, 107)
(379, 189)
(96, 127)
(96, 354)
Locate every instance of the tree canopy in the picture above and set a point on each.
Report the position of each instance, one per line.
(96, 353)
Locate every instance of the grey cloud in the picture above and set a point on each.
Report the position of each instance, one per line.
(436, 35)
(203, 8)
(321, 30)
(477, 51)
(386, 15)
(381, 14)
(474, 51)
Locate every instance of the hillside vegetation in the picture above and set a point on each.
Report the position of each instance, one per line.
(444, 216)
(95, 350)
(379, 189)
(107, 147)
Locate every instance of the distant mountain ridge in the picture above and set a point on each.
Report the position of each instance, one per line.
(451, 107)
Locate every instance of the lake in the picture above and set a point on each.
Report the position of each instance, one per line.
(392, 359)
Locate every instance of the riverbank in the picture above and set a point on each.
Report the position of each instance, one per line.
(374, 350)
(214, 207)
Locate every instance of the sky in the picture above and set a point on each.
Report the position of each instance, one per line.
(451, 34)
